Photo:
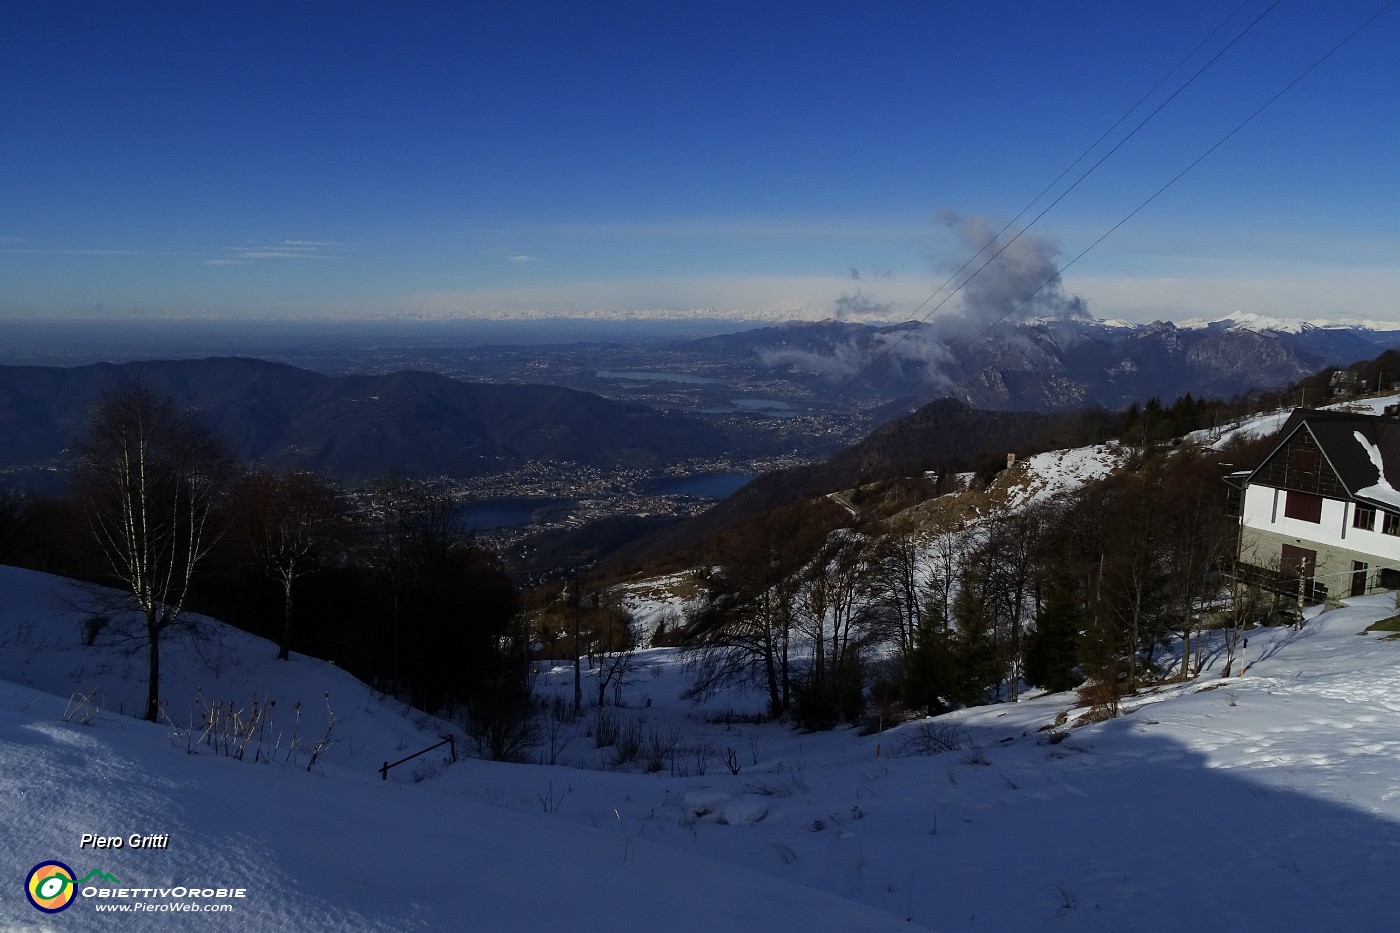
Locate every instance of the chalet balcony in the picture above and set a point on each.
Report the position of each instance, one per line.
(1284, 584)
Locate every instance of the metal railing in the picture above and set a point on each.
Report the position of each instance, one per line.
(449, 740)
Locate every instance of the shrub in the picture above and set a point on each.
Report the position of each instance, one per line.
(932, 738)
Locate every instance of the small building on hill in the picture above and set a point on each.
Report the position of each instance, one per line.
(1320, 515)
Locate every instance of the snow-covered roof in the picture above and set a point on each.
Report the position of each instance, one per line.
(1362, 449)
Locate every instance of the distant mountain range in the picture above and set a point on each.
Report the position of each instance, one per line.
(1049, 364)
(356, 427)
(353, 427)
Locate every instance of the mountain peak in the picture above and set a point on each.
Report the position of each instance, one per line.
(1259, 323)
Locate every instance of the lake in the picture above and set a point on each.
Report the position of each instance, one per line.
(647, 376)
(703, 485)
(774, 408)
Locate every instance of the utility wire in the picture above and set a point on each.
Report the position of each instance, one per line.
(1091, 147)
(1087, 172)
(1197, 161)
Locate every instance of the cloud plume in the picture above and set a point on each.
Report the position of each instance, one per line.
(860, 306)
(1010, 280)
(1022, 283)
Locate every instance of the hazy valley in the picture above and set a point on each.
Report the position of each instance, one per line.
(636, 429)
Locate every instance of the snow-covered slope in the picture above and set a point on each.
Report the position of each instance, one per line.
(333, 849)
(1042, 476)
(1269, 422)
(1261, 323)
(1268, 801)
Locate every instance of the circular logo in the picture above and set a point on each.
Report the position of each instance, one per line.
(50, 887)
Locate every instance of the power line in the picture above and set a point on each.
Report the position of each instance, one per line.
(1087, 172)
(1197, 161)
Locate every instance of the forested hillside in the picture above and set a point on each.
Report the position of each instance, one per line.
(353, 428)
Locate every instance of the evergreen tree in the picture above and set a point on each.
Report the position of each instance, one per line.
(928, 663)
(974, 652)
(1052, 650)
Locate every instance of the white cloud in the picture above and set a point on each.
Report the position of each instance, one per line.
(287, 249)
(70, 252)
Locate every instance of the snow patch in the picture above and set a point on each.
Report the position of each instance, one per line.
(1382, 491)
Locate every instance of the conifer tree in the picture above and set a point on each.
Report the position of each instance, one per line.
(1052, 649)
(928, 663)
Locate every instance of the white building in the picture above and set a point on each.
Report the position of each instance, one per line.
(1322, 509)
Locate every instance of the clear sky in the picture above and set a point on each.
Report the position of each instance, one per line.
(756, 159)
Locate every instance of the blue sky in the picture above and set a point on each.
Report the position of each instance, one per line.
(326, 160)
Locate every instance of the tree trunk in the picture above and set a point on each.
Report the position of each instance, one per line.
(284, 644)
(787, 678)
(153, 656)
(770, 666)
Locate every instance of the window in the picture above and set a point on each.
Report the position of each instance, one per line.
(1392, 524)
(1364, 518)
(1304, 460)
(1307, 507)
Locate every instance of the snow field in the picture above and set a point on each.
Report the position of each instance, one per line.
(1268, 801)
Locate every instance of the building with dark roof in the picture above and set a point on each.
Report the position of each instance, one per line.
(1320, 515)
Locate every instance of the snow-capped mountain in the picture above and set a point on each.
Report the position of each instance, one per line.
(1048, 363)
(1260, 323)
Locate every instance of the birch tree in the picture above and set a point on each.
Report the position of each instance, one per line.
(150, 475)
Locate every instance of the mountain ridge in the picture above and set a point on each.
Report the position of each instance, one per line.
(1045, 363)
(357, 426)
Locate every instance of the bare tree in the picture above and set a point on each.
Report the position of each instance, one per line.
(1134, 561)
(150, 476)
(834, 616)
(743, 631)
(897, 585)
(612, 647)
(294, 521)
(418, 532)
(1013, 548)
(1199, 539)
(946, 553)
